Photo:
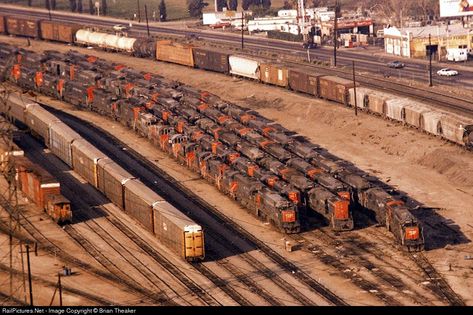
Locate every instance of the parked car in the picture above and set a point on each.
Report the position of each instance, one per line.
(396, 65)
(447, 72)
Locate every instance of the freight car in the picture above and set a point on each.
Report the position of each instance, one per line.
(298, 79)
(23, 26)
(58, 31)
(43, 189)
(173, 228)
(191, 97)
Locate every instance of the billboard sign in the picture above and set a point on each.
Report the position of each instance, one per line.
(456, 8)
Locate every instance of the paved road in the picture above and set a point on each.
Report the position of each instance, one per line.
(369, 60)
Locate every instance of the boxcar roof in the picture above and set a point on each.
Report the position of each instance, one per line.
(143, 192)
(88, 149)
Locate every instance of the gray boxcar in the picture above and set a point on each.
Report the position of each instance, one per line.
(139, 201)
(84, 160)
(39, 120)
(16, 106)
(61, 137)
(111, 178)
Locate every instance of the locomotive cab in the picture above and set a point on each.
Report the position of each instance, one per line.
(59, 209)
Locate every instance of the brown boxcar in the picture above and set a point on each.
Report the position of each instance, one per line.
(276, 74)
(84, 160)
(211, 59)
(2, 24)
(57, 31)
(173, 52)
(335, 89)
(304, 80)
(20, 26)
(139, 201)
(111, 178)
(39, 185)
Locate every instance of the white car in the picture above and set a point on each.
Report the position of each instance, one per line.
(120, 28)
(447, 72)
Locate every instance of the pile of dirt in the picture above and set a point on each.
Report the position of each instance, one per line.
(457, 169)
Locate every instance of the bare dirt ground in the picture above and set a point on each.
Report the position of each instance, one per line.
(432, 171)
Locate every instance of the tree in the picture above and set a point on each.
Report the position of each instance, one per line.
(53, 4)
(318, 3)
(233, 5)
(29, 3)
(221, 4)
(266, 4)
(73, 5)
(195, 7)
(103, 8)
(91, 7)
(79, 6)
(48, 5)
(246, 4)
(287, 5)
(162, 11)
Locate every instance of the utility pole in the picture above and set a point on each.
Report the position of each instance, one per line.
(60, 288)
(29, 273)
(146, 15)
(335, 31)
(9, 198)
(354, 88)
(430, 61)
(49, 10)
(242, 31)
(139, 11)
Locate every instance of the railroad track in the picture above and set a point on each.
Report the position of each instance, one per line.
(55, 250)
(4, 299)
(182, 197)
(73, 189)
(427, 95)
(354, 250)
(438, 286)
(441, 287)
(359, 281)
(66, 288)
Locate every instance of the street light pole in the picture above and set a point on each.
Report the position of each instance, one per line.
(242, 23)
(354, 88)
(335, 31)
(146, 15)
(430, 61)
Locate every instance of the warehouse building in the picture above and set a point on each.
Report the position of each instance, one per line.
(413, 42)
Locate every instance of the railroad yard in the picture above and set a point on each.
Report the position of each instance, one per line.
(299, 257)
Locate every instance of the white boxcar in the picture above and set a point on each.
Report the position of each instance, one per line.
(245, 66)
(61, 137)
(39, 120)
(377, 101)
(453, 127)
(361, 96)
(413, 113)
(430, 122)
(395, 108)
